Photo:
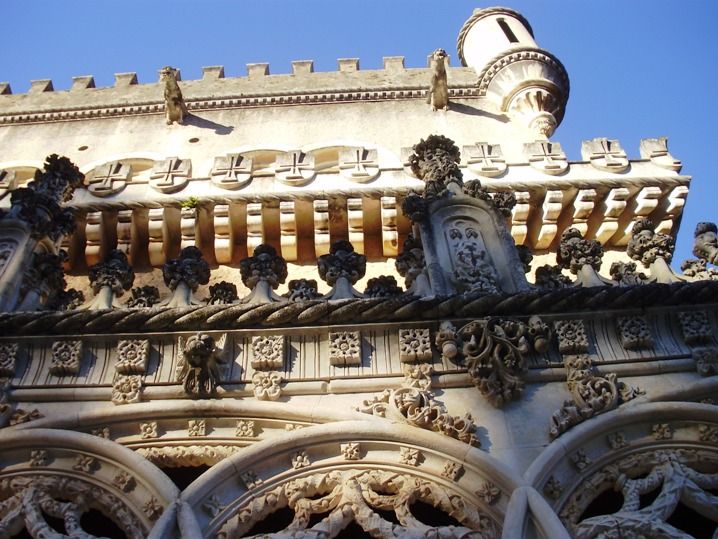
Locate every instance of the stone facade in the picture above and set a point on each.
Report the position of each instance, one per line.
(352, 326)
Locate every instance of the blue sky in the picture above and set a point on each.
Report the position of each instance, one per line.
(638, 68)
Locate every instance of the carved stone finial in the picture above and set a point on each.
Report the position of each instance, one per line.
(696, 270)
(184, 274)
(436, 162)
(198, 366)
(144, 297)
(438, 96)
(109, 279)
(654, 250)
(38, 204)
(263, 272)
(411, 265)
(705, 244)
(302, 290)
(525, 256)
(340, 269)
(222, 293)
(175, 108)
(384, 286)
(581, 257)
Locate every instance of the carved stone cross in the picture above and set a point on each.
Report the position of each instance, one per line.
(548, 157)
(109, 179)
(485, 159)
(358, 164)
(170, 175)
(295, 168)
(605, 154)
(7, 182)
(656, 149)
(231, 171)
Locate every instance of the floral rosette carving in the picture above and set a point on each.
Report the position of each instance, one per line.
(267, 385)
(66, 357)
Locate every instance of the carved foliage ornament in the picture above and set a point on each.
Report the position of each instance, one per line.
(363, 497)
(646, 245)
(66, 357)
(345, 348)
(8, 358)
(436, 161)
(414, 345)
(267, 385)
(494, 350)
(127, 389)
(189, 268)
(132, 356)
(114, 272)
(268, 351)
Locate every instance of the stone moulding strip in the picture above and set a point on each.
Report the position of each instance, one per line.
(229, 102)
(365, 311)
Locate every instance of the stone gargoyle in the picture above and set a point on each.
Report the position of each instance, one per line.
(200, 358)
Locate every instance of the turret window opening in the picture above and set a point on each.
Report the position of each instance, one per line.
(507, 31)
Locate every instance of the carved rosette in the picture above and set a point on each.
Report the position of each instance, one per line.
(127, 389)
(132, 356)
(706, 360)
(66, 357)
(263, 272)
(572, 337)
(341, 269)
(268, 352)
(199, 363)
(494, 350)
(345, 348)
(415, 345)
(634, 333)
(8, 358)
(267, 385)
(696, 327)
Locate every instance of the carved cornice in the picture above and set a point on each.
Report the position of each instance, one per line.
(322, 312)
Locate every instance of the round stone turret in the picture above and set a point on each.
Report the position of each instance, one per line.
(523, 80)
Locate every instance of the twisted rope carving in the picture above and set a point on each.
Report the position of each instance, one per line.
(323, 312)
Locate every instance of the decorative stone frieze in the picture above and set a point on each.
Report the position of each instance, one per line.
(268, 352)
(109, 179)
(546, 156)
(127, 389)
(571, 335)
(66, 357)
(132, 356)
(172, 456)
(696, 327)
(351, 451)
(493, 350)
(267, 385)
(706, 360)
(605, 154)
(199, 359)
(183, 275)
(414, 345)
(593, 393)
(170, 175)
(8, 358)
(341, 269)
(344, 348)
(222, 293)
(634, 333)
(263, 272)
(233, 171)
(143, 297)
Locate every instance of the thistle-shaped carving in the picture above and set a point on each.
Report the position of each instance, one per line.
(302, 290)
(436, 161)
(263, 272)
(705, 243)
(384, 286)
(412, 266)
(183, 275)
(551, 278)
(199, 362)
(340, 269)
(222, 293)
(66, 300)
(697, 270)
(110, 279)
(625, 274)
(654, 250)
(144, 297)
(581, 257)
(38, 204)
(494, 351)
